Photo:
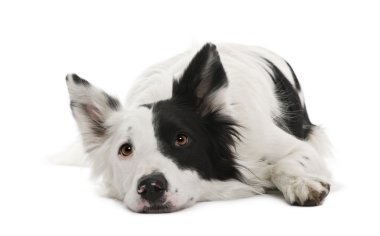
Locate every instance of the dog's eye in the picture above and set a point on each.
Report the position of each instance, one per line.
(125, 150)
(181, 140)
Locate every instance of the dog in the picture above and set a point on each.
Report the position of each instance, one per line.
(213, 123)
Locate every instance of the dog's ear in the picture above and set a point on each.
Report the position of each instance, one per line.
(203, 81)
(90, 107)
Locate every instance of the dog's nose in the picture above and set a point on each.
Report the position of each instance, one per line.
(152, 187)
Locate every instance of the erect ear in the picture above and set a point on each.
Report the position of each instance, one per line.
(90, 107)
(202, 81)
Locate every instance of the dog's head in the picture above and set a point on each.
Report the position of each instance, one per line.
(167, 155)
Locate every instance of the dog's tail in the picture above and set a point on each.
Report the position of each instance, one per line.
(72, 155)
(320, 141)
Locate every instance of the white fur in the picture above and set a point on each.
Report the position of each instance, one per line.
(270, 156)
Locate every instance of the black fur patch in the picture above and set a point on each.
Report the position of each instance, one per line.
(295, 120)
(204, 76)
(296, 82)
(212, 135)
(79, 81)
(112, 102)
(211, 139)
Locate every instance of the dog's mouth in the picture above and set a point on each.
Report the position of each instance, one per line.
(165, 208)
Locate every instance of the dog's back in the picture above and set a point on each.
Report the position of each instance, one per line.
(263, 92)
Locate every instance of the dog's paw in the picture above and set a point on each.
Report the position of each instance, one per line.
(306, 192)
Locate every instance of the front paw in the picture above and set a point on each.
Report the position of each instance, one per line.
(306, 192)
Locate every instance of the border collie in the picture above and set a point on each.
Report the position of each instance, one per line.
(218, 122)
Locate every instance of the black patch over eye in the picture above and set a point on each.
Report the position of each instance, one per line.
(125, 150)
(210, 150)
(181, 140)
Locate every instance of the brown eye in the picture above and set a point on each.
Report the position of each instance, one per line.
(181, 140)
(125, 150)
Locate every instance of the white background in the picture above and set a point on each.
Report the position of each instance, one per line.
(332, 45)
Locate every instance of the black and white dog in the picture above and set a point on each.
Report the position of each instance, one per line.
(209, 124)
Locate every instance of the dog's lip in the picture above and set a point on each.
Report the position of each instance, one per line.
(165, 208)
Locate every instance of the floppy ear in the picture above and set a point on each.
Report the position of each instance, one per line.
(90, 107)
(202, 81)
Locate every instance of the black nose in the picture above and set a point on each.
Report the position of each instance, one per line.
(152, 187)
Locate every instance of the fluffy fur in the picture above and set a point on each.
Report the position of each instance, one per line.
(243, 112)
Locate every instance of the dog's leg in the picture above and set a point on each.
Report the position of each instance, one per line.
(232, 189)
(302, 177)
